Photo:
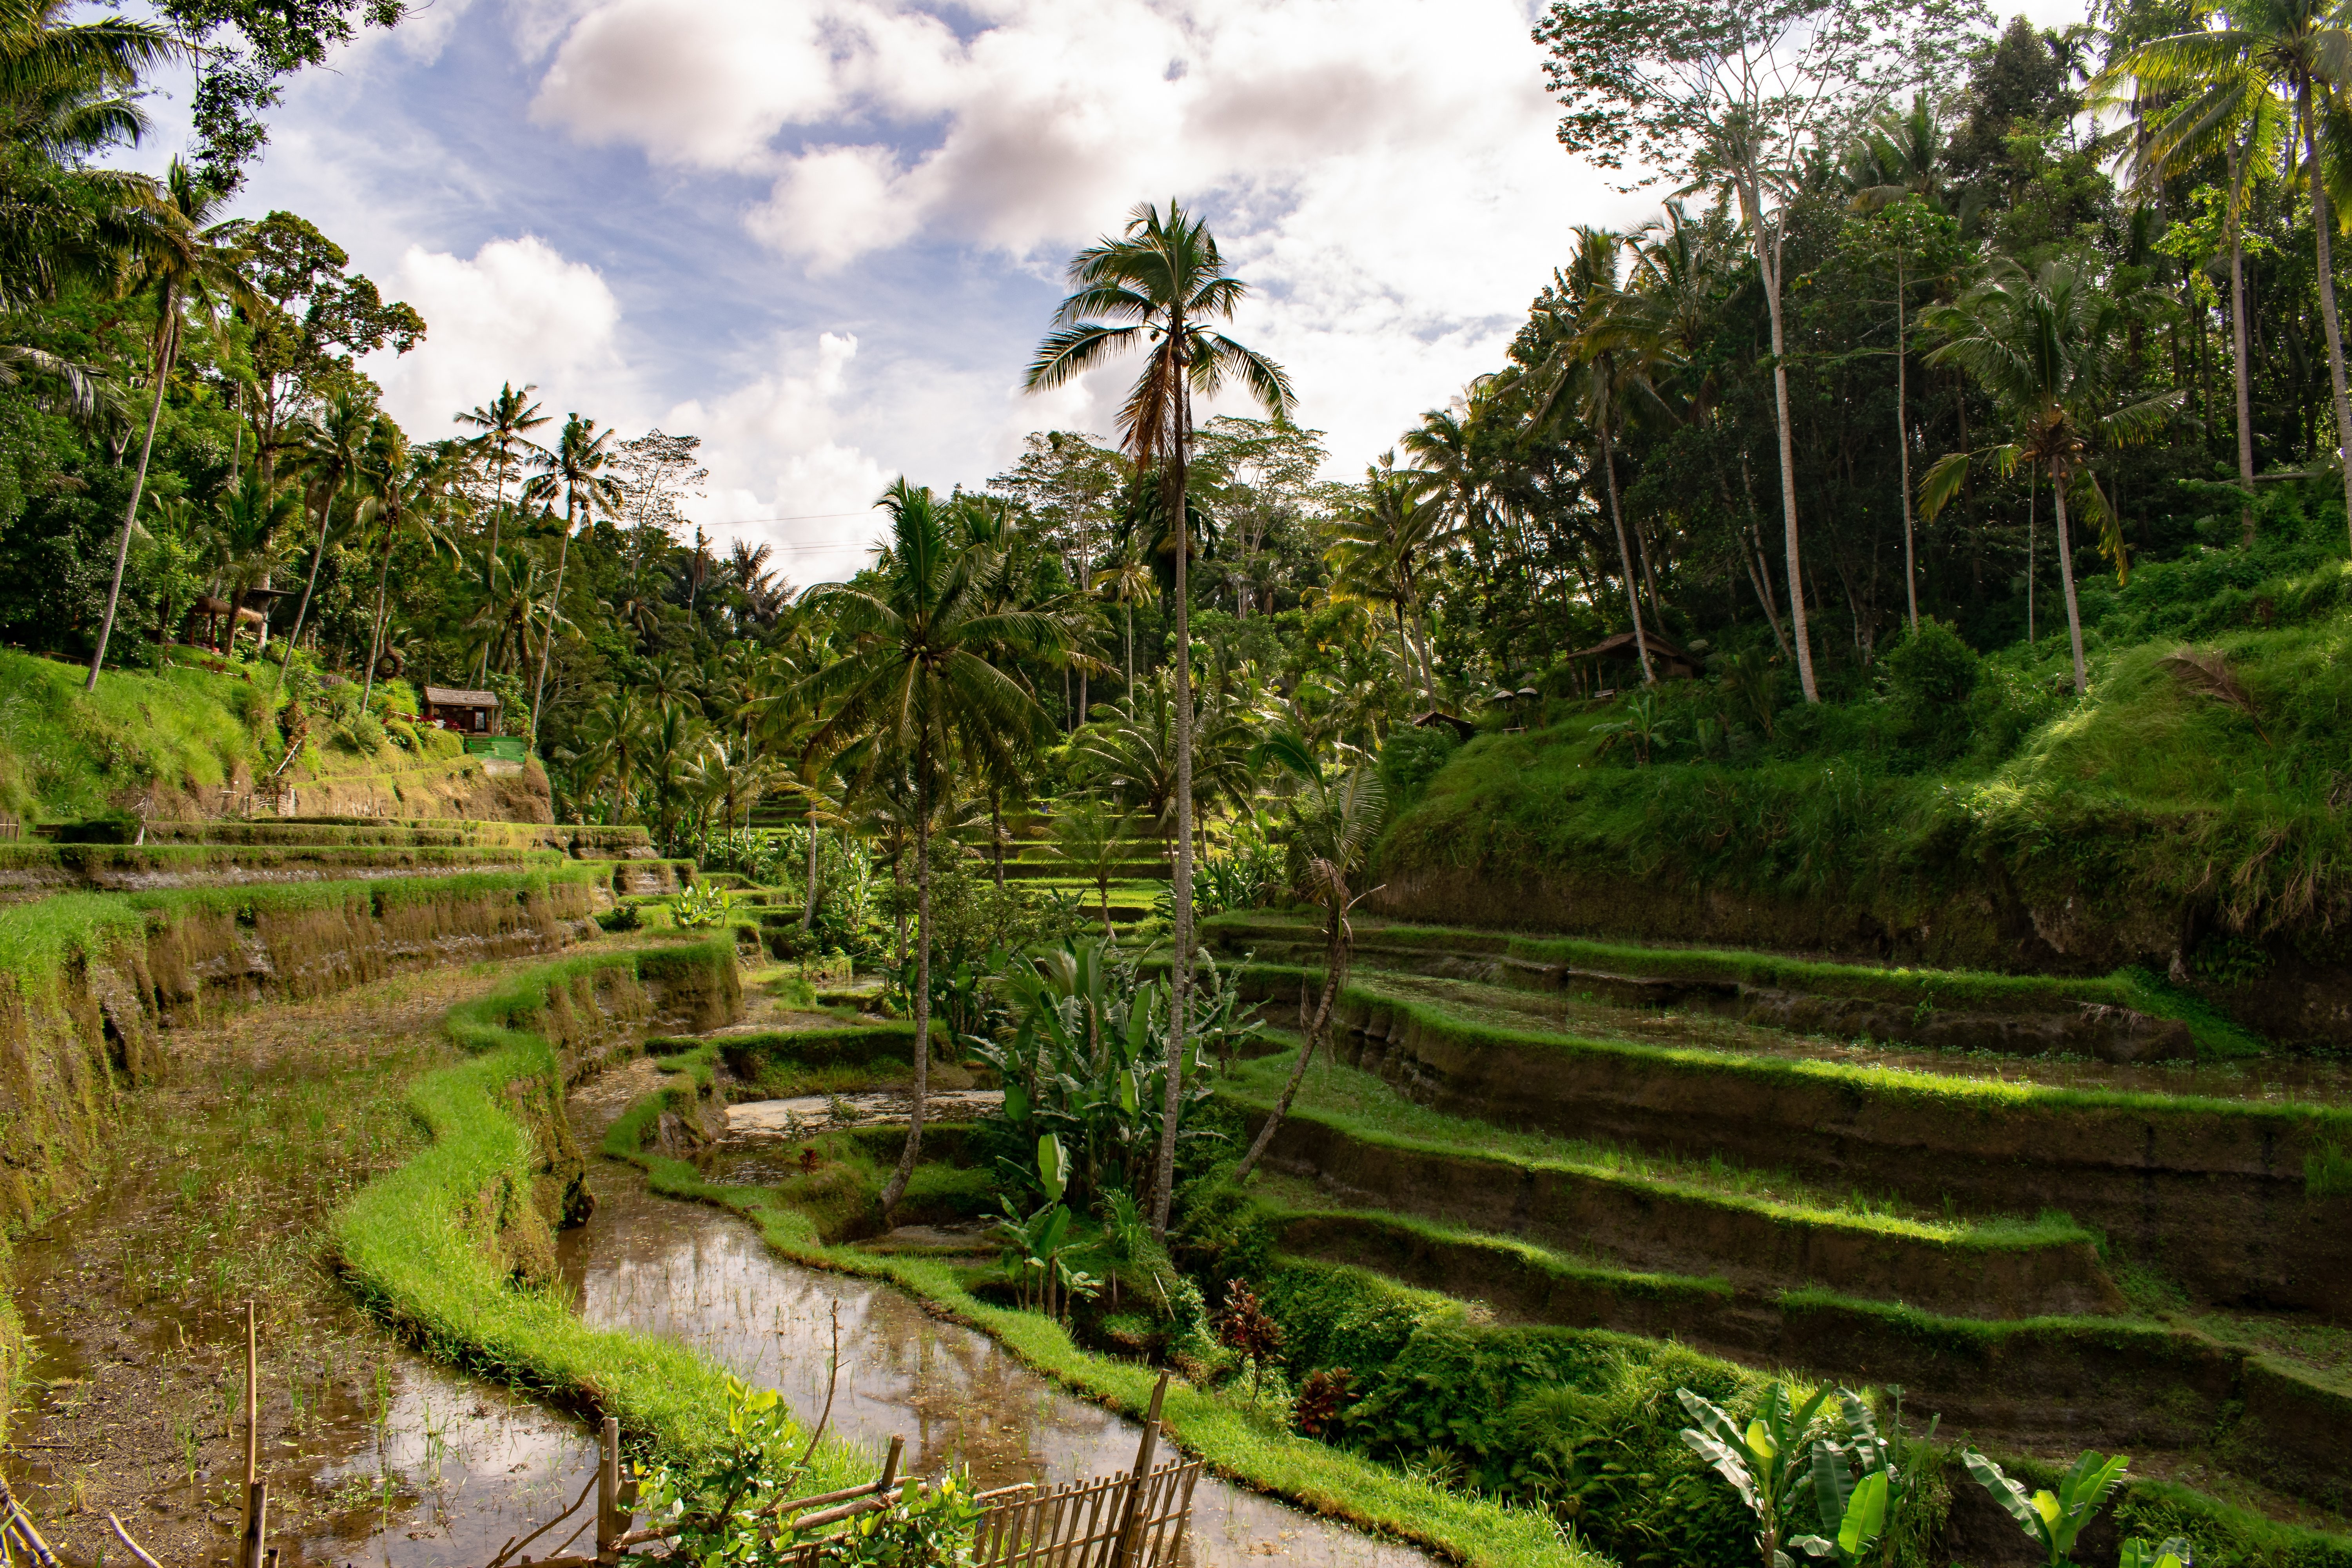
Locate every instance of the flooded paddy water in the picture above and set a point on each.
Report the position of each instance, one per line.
(701, 1276)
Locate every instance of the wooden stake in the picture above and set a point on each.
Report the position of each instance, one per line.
(890, 1466)
(252, 1413)
(257, 1525)
(608, 1490)
(1124, 1554)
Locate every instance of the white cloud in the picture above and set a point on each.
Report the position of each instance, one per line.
(1382, 172)
(516, 312)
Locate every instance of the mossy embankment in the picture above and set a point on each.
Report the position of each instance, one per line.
(29, 871)
(90, 982)
(2242, 1202)
(2022, 829)
(186, 742)
(455, 1247)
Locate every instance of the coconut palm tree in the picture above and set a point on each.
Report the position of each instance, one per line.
(2045, 346)
(1158, 286)
(1335, 817)
(409, 494)
(333, 450)
(925, 683)
(1382, 547)
(2193, 103)
(251, 536)
(1604, 345)
(2302, 50)
(1125, 580)
(186, 259)
(505, 424)
(575, 467)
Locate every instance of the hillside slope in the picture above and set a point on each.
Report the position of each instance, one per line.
(187, 743)
(2188, 816)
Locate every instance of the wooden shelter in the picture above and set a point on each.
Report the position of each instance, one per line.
(1667, 661)
(455, 707)
(1433, 719)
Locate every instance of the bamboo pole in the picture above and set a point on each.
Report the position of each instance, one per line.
(1125, 1553)
(252, 1416)
(256, 1526)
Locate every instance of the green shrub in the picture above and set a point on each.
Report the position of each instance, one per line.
(1930, 675)
(1412, 756)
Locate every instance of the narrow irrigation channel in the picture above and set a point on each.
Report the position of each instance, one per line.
(697, 1274)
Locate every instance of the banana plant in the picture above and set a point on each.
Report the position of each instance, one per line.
(1767, 1463)
(1037, 1250)
(1859, 1503)
(2138, 1554)
(2052, 1520)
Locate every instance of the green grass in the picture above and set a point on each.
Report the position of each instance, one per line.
(422, 1255)
(2146, 793)
(1365, 1107)
(1900, 1086)
(1949, 989)
(66, 753)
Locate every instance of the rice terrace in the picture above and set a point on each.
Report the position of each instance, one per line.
(856, 782)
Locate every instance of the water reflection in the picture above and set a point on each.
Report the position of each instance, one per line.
(701, 1276)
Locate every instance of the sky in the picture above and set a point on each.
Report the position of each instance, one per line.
(825, 235)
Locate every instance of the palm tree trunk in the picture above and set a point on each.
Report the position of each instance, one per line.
(1179, 969)
(996, 831)
(2242, 369)
(1624, 555)
(1130, 661)
(808, 904)
(2066, 577)
(1903, 437)
(896, 1188)
(497, 507)
(310, 585)
(131, 512)
(2321, 219)
(547, 646)
(1334, 975)
(1768, 263)
(375, 627)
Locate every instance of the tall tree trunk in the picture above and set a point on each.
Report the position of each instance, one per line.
(1767, 262)
(2066, 577)
(130, 513)
(1903, 434)
(1180, 972)
(896, 1188)
(1624, 555)
(2242, 369)
(2322, 219)
(996, 831)
(375, 627)
(311, 584)
(547, 645)
(498, 509)
(1130, 661)
(808, 904)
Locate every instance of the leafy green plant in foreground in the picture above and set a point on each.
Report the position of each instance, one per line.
(1767, 1464)
(703, 905)
(2052, 1520)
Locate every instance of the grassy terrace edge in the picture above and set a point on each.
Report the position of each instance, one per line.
(1332, 1482)
(1887, 1082)
(418, 1245)
(1973, 989)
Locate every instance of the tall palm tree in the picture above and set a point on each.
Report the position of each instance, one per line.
(574, 467)
(2193, 102)
(505, 422)
(2302, 49)
(924, 683)
(187, 259)
(2045, 346)
(409, 492)
(1381, 548)
(1158, 286)
(251, 537)
(1604, 345)
(333, 450)
(1125, 580)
